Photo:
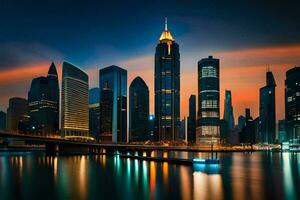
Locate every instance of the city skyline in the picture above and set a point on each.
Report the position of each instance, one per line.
(250, 59)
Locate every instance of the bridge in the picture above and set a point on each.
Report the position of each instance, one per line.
(63, 145)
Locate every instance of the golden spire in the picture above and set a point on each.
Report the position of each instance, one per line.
(166, 34)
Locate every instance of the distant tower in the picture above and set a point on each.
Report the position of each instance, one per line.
(228, 110)
(94, 112)
(167, 87)
(267, 110)
(138, 110)
(191, 135)
(17, 112)
(43, 102)
(74, 102)
(292, 104)
(2, 120)
(208, 129)
(116, 79)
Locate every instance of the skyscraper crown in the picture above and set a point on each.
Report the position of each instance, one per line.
(52, 70)
(166, 34)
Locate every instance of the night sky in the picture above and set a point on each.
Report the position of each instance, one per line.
(247, 37)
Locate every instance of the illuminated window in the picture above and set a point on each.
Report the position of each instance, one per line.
(209, 114)
(209, 104)
(209, 71)
(209, 130)
(290, 99)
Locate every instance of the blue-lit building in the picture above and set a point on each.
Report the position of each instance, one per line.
(192, 120)
(74, 103)
(43, 104)
(167, 87)
(267, 111)
(208, 127)
(138, 110)
(292, 104)
(116, 79)
(94, 112)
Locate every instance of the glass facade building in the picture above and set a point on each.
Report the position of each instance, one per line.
(138, 110)
(43, 103)
(116, 79)
(74, 103)
(292, 104)
(267, 111)
(208, 127)
(167, 87)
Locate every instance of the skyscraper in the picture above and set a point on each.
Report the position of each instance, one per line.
(106, 113)
(74, 102)
(292, 104)
(267, 110)
(17, 113)
(43, 103)
(2, 120)
(281, 131)
(228, 110)
(94, 112)
(247, 134)
(208, 128)
(116, 79)
(138, 110)
(191, 135)
(167, 87)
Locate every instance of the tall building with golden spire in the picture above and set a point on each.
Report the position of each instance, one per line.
(167, 87)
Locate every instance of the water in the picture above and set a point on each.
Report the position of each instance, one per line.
(260, 175)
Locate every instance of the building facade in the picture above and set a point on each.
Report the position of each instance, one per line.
(115, 79)
(282, 137)
(167, 87)
(43, 104)
(267, 111)
(208, 127)
(191, 129)
(74, 103)
(17, 114)
(292, 104)
(94, 112)
(138, 110)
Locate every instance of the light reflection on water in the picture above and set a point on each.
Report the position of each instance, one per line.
(259, 175)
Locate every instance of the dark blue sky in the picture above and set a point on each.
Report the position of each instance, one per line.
(91, 31)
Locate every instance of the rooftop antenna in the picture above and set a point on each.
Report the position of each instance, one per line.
(166, 24)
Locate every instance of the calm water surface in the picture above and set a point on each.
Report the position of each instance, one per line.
(259, 175)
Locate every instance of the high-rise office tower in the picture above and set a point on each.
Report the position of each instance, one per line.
(115, 78)
(292, 104)
(167, 87)
(241, 122)
(94, 112)
(17, 113)
(267, 111)
(74, 103)
(191, 130)
(228, 110)
(2, 120)
(106, 113)
(208, 128)
(138, 110)
(43, 103)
